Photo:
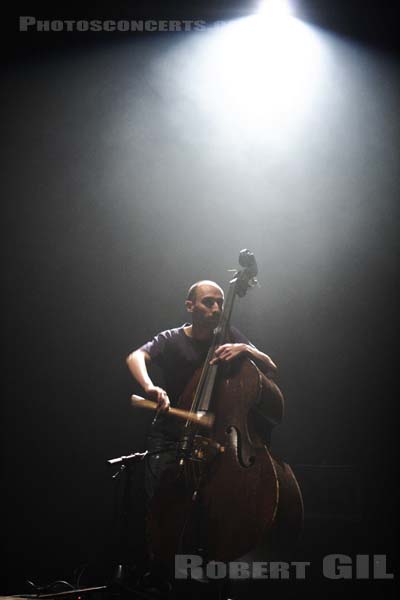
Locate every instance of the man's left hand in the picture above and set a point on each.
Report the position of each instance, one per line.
(228, 352)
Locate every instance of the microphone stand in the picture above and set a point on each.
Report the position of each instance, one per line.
(123, 507)
(124, 472)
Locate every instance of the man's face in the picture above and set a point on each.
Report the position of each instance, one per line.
(207, 306)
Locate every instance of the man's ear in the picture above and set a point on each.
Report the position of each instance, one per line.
(189, 305)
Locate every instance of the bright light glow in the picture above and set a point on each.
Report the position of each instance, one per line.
(250, 80)
(275, 9)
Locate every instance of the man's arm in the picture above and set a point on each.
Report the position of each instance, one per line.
(137, 364)
(262, 360)
(228, 352)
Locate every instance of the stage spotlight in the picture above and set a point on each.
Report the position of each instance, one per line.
(275, 9)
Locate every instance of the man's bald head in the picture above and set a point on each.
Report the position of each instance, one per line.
(200, 285)
(204, 302)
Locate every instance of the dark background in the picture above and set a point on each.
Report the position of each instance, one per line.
(114, 203)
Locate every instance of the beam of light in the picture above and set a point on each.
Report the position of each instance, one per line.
(275, 9)
(255, 76)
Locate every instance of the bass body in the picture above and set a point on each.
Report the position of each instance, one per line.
(227, 496)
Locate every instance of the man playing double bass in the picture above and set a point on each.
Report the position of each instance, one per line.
(179, 353)
(219, 496)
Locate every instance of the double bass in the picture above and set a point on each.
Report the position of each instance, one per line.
(226, 496)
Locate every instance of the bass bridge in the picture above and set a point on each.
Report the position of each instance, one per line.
(198, 448)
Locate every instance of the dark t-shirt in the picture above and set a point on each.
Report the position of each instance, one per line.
(179, 356)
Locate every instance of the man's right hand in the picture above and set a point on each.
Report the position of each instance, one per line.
(158, 395)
